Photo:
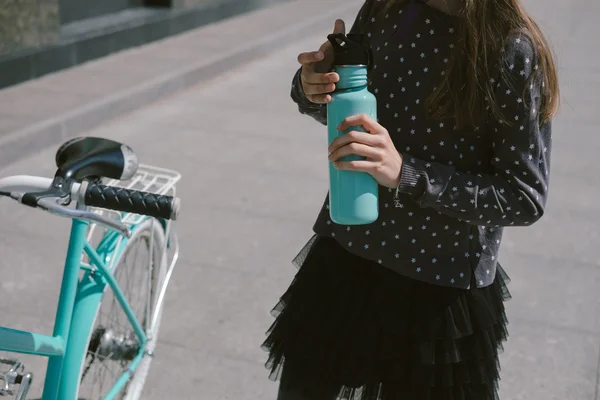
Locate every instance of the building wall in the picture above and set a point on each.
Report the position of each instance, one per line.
(28, 24)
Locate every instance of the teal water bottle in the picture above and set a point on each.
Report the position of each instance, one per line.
(353, 195)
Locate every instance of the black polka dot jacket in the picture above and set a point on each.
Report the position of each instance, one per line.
(458, 188)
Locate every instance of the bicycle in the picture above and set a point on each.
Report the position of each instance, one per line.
(132, 211)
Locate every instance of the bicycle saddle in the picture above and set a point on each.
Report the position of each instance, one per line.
(91, 157)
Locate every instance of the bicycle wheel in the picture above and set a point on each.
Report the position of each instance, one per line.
(113, 343)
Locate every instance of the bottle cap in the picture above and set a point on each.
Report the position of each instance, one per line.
(350, 50)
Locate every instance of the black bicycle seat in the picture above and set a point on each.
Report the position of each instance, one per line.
(92, 157)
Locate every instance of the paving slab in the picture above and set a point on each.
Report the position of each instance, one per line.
(251, 188)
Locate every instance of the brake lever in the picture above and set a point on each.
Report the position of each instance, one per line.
(51, 204)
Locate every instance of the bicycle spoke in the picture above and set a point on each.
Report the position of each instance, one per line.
(121, 326)
(112, 327)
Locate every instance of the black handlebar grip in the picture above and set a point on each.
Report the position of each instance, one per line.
(133, 201)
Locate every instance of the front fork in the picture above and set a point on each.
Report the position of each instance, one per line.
(15, 376)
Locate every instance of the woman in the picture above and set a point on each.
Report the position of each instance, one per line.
(411, 306)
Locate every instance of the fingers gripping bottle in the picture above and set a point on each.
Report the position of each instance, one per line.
(353, 195)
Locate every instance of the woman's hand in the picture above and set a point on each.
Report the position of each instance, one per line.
(382, 161)
(317, 83)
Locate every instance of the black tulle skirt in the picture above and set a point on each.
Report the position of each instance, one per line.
(349, 328)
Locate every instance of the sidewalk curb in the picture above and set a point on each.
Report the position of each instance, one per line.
(72, 49)
(50, 132)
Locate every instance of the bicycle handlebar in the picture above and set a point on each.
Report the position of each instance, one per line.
(129, 200)
(27, 189)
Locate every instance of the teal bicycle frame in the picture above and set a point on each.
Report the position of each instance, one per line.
(78, 304)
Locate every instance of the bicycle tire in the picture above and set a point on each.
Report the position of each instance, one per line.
(137, 382)
(133, 389)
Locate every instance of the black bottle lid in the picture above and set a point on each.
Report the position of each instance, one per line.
(350, 50)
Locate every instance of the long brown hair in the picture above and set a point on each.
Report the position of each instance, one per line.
(485, 28)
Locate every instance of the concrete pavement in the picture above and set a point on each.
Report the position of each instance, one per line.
(253, 180)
